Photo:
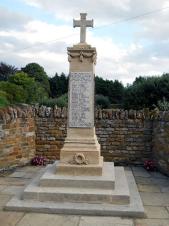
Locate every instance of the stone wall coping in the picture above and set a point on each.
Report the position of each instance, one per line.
(9, 114)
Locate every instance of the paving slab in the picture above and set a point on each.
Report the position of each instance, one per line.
(140, 172)
(3, 200)
(158, 175)
(160, 182)
(167, 208)
(156, 212)
(164, 189)
(155, 199)
(105, 221)
(29, 169)
(22, 174)
(34, 219)
(10, 218)
(12, 190)
(148, 188)
(144, 180)
(2, 187)
(151, 222)
(14, 181)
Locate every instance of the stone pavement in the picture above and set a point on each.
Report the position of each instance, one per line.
(153, 188)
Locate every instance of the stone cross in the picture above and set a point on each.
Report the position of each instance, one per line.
(83, 23)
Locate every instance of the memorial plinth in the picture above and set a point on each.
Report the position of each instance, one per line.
(80, 154)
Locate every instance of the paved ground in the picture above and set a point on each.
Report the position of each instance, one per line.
(153, 188)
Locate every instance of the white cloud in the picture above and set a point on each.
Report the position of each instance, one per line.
(146, 55)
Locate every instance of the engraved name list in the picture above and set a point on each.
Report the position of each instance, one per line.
(81, 98)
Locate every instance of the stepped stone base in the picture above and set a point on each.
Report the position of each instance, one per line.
(83, 170)
(51, 178)
(113, 194)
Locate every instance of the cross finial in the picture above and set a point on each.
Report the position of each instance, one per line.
(83, 23)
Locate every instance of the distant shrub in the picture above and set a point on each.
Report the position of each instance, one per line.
(3, 99)
(61, 101)
(163, 105)
(102, 101)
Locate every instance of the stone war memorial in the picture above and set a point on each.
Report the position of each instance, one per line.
(81, 182)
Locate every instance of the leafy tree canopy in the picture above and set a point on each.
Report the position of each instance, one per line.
(32, 91)
(37, 72)
(6, 71)
(58, 85)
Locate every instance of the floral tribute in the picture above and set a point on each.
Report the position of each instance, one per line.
(149, 165)
(38, 161)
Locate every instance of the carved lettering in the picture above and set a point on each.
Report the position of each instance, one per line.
(81, 97)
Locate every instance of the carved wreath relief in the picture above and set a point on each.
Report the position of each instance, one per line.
(81, 98)
(79, 159)
(82, 55)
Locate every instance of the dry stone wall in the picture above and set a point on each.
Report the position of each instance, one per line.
(160, 143)
(126, 137)
(17, 136)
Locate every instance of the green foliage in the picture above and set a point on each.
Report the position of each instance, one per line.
(58, 85)
(163, 105)
(102, 101)
(61, 101)
(37, 72)
(146, 92)
(6, 71)
(15, 93)
(32, 91)
(3, 99)
(112, 89)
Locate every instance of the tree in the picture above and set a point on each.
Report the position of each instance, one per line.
(15, 93)
(3, 99)
(58, 85)
(102, 101)
(146, 92)
(6, 71)
(112, 89)
(37, 72)
(32, 91)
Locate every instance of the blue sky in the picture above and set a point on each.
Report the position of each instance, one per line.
(125, 50)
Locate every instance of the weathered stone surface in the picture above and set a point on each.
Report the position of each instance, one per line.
(134, 208)
(47, 219)
(164, 189)
(107, 221)
(156, 212)
(152, 222)
(12, 190)
(155, 199)
(148, 188)
(3, 200)
(17, 136)
(10, 218)
(81, 99)
(140, 172)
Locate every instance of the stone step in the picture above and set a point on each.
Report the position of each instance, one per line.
(52, 179)
(133, 209)
(93, 169)
(119, 195)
